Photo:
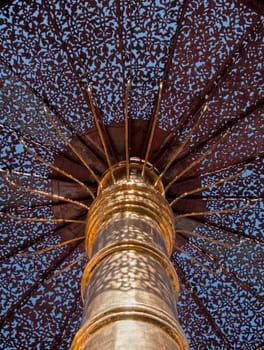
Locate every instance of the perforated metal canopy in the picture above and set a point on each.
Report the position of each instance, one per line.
(204, 52)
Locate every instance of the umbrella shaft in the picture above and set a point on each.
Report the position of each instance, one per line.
(129, 285)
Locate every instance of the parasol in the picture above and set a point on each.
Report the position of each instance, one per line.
(204, 59)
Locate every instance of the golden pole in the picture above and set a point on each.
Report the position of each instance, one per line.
(129, 286)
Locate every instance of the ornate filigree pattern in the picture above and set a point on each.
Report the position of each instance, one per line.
(209, 50)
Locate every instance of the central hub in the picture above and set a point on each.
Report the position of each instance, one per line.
(118, 174)
(129, 193)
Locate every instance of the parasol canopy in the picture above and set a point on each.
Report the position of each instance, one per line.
(193, 68)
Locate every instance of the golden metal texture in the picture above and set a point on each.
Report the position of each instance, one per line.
(129, 286)
(128, 87)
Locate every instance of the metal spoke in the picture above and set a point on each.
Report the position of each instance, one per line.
(179, 150)
(198, 235)
(55, 246)
(66, 268)
(180, 250)
(153, 128)
(39, 219)
(205, 187)
(74, 150)
(197, 161)
(101, 136)
(57, 169)
(46, 194)
(214, 212)
(128, 87)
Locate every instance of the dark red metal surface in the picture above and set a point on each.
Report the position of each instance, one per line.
(201, 50)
